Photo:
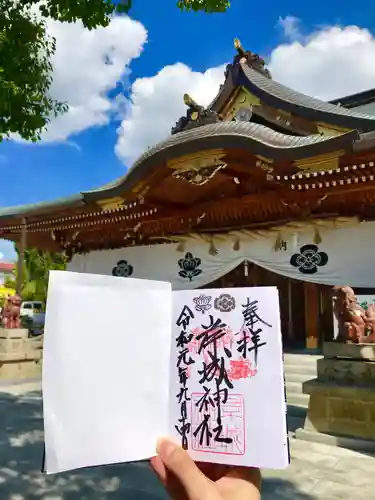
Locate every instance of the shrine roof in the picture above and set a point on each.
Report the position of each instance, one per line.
(277, 95)
(271, 100)
(260, 140)
(256, 138)
(207, 129)
(42, 207)
(355, 100)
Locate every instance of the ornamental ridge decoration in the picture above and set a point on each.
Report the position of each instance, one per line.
(254, 61)
(196, 116)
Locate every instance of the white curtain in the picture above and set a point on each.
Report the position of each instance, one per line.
(322, 253)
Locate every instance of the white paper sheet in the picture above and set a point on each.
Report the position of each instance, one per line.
(105, 369)
(251, 405)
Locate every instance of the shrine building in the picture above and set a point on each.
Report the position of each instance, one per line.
(265, 186)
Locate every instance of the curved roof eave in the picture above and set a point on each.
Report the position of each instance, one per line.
(251, 136)
(277, 95)
(258, 139)
(42, 207)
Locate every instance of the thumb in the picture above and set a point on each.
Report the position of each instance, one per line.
(177, 461)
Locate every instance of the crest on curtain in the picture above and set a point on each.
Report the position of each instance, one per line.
(122, 269)
(309, 259)
(189, 266)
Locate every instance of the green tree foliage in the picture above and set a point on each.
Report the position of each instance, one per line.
(209, 6)
(26, 106)
(37, 265)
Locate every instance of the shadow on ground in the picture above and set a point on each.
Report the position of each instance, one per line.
(296, 417)
(21, 451)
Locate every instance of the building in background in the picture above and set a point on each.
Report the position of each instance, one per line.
(363, 102)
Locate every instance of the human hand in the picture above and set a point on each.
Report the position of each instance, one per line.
(186, 480)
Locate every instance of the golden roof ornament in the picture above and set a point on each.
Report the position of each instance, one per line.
(193, 106)
(250, 58)
(238, 46)
(196, 115)
(189, 101)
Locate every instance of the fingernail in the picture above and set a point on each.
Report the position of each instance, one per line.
(165, 447)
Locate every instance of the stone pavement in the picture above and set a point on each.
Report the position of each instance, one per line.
(316, 472)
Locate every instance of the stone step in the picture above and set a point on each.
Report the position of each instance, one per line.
(298, 400)
(303, 360)
(309, 370)
(298, 368)
(298, 377)
(293, 388)
(300, 364)
(356, 444)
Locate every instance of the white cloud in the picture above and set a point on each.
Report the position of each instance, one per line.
(88, 64)
(332, 62)
(291, 27)
(157, 102)
(7, 251)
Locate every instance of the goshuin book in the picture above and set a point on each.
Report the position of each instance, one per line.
(128, 361)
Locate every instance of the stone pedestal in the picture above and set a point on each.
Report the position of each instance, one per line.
(19, 356)
(342, 398)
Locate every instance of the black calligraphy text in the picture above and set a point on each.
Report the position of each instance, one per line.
(251, 331)
(215, 383)
(184, 360)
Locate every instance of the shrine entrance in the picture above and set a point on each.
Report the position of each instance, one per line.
(305, 308)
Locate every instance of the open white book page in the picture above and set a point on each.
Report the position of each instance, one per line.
(105, 369)
(227, 381)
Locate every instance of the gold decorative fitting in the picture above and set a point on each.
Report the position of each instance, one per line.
(266, 167)
(329, 130)
(198, 169)
(326, 163)
(237, 43)
(238, 47)
(111, 203)
(198, 177)
(189, 101)
(196, 161)
(243, 100)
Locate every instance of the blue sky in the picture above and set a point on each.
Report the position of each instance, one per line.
(88, 159)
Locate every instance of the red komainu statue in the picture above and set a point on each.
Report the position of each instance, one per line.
(10, 315)
(355, 324)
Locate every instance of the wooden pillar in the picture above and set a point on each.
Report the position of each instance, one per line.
(290, 311)
(312, 327)
(21, 256)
